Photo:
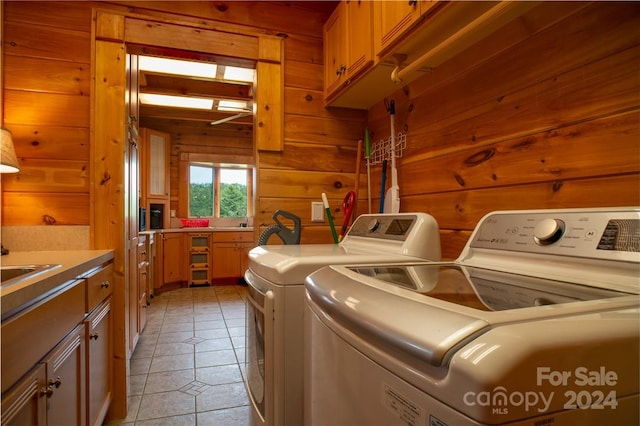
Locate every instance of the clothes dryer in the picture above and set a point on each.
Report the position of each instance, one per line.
(275, 303)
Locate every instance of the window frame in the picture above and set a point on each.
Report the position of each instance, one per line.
(218, 161)
(216, 173)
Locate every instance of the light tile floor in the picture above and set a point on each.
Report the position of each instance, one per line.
(186, 369)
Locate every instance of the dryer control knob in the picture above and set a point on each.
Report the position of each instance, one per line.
(373, 225)
(548, 231)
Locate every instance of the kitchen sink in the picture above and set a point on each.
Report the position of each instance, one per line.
(14, 274)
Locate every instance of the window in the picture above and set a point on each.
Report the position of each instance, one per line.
(219, 191)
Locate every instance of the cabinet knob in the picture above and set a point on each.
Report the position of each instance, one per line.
(57, 382)
(105, 284)
(413, 2)
(46, 391)
(94, 336)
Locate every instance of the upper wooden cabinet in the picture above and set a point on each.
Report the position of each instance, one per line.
(348, 47)
(155, 163)
(393, 18)
(410, 39)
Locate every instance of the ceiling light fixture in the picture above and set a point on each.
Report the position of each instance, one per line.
(175, 101)
(177, 67)
(239, 74)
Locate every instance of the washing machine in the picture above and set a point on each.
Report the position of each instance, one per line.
(275, 303)
(536, 323)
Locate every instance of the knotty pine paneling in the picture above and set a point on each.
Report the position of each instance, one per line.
(549, 118)
(36, 40)
(278, 17)
(311, 102)
(461, 210)
(47, 76)
(39, 175)
(45, 208)
(58, 14)
(564, 153)
(303, 75)
(50, 142)
(38, 108)
(311, 157)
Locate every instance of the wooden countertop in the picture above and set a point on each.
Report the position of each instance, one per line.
(73, 264)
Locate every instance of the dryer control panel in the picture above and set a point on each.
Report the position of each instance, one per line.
(384, 226)
(598, 233)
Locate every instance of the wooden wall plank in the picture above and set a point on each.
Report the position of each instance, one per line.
(304, 184)
(279, 17)
(605, 147)
(44, 109)
(40, 175)
(44, 208)
(37, 41)
(303, 75)
(59, 14)
(305, 49)
(318, 158)
(462, 210)
(46, 76)
(50, 142)
(147, 32)
(608, 86)
(311, 102)
(322, 131)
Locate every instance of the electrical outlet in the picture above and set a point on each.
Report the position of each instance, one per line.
(317, 212)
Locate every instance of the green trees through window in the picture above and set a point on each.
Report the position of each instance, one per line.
(232, 186)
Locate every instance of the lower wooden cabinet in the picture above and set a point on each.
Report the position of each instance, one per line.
(230, 260)
(230, 252)
(99, 344)
(65, 387)
(57, 355)
(53, 392)
(25, 403)
(170, 262)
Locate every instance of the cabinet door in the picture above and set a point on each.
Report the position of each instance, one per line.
(391, 19)
(226, 260)
(335, 49)
(360, 44)
(66, 380)
(25, 403)
(173, 257)
(156, 163)
(99, 365)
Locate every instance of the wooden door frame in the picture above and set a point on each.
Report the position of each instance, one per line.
(112, 32)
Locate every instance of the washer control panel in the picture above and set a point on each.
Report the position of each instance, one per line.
(396, 227)
(597, 233)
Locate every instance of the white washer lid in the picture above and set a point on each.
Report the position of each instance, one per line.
(399, 325)
(290, 264)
